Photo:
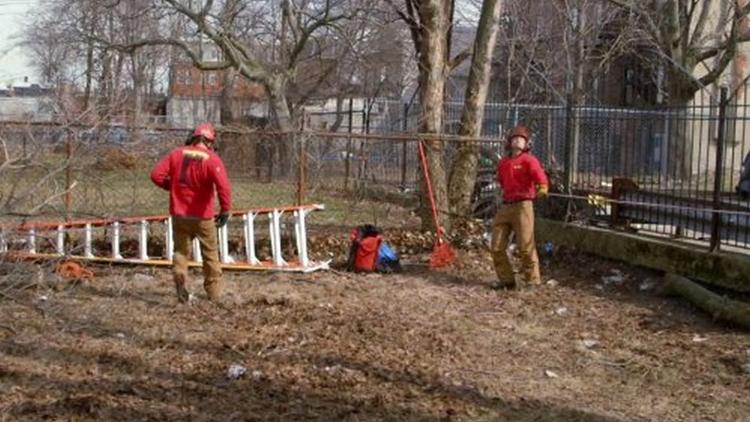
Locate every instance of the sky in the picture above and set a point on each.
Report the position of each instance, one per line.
(13, 16)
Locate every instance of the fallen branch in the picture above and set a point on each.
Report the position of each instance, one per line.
(9, 328)
(720, 307)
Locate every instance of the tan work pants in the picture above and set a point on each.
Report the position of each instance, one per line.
(518, 218)
(185, 230)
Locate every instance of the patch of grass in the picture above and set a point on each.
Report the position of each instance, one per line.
(129, 192)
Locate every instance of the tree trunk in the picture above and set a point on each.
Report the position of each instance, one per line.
(89, 72)
(116, 85)
(681, 89)
(137, 87)
(434, 18)
(226, 112)
(104, 83)
(578, 97)
(720, 307)
(464, 171)
(280, 109)
(339, 114)
(137, 100)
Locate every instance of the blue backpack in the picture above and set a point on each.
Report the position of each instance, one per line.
(387, 259)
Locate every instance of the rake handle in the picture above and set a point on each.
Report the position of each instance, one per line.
(423, 159)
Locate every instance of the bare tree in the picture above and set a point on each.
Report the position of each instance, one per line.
(694, 42)
(429, 23)
(263, 42)
(73, 37)
(245, 37)
(548, 50)
(464, 170)
(594, 36)
(688, 35)
(30, 181)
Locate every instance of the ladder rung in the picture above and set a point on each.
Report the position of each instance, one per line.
(248, 221)
(275, 229)
(143, 241)
(87, 252)
(224, 244)
(60, 245)
(32, 241)
(197, 256)
(116, 240)
(300, 229)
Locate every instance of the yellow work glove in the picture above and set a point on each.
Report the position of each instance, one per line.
(542, 191)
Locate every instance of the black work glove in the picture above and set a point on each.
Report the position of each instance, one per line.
(221, 219)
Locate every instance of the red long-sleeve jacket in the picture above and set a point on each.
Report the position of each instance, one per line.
(519, 176)
(192, 175)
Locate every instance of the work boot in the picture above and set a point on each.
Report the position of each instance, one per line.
(214, 289)
(504, 285)
(531, 283)
(226, 302)
(183, 295)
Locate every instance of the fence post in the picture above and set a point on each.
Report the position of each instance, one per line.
(569, 155)
(366, 149)
(719, 171)
(360, 162)
(404, 129)
(348, 146)
(68, 174)
(301, 159)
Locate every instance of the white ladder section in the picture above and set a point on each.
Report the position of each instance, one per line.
(28, 236)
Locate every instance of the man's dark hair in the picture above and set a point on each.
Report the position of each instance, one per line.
(193, 140)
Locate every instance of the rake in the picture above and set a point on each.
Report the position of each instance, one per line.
(442, 253)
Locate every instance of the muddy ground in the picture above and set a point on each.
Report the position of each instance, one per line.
(336, 346)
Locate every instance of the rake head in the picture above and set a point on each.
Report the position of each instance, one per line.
(443, 255)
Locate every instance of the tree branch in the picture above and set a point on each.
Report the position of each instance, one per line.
(699, 26)
(236, 53)
(408, 19)
(726, 56)
(646, 15)
(307, 33)
(711, 52)
(197, 61)
(414, 24)
(460, 58)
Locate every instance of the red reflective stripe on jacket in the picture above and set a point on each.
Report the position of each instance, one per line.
(193, 175)
(518, 177)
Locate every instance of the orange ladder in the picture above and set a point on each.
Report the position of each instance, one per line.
(20, 240)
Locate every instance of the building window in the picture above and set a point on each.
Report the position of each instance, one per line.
(183, 77)
(629, 86)
(178, 77)
(212, 78)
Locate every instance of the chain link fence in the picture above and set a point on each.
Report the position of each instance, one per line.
(671, 171)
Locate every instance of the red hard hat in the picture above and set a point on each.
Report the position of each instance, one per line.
(521, 131)
(205, 130)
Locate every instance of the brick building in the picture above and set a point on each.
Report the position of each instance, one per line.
(196, 96)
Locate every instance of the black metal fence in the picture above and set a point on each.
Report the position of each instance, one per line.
(677, 172)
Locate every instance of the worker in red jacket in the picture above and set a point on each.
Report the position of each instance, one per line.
(193, 174)
(522, 179)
